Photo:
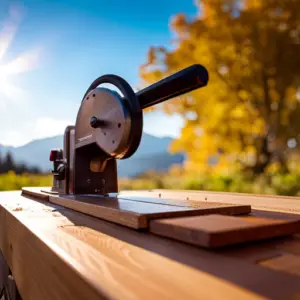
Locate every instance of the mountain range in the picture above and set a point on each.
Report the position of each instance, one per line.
(151, 155)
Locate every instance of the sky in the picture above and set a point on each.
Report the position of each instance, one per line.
(51, 50)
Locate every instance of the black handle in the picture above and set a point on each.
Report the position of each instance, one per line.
(186, 80)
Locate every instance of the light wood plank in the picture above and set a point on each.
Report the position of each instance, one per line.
(254, 281)
(71, 262)
(39, 269)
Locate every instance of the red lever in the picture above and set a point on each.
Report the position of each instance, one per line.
(55, 154)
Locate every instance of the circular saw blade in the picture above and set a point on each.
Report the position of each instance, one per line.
(113, 131)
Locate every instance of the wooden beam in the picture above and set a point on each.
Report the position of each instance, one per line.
(56, 253)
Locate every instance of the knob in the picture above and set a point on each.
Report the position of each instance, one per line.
(56, 154)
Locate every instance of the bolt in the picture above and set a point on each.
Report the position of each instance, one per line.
(96, 122)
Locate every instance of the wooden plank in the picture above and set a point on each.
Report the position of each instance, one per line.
(31, 261)
(35, 192)
(86, 258)
(137, 214)
(267, 249)
(177, 202)
(213, 231)
(240, 209)
(288, 263)
(261, 202)
(184, 194)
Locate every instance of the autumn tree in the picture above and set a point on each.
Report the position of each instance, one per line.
(249, 114)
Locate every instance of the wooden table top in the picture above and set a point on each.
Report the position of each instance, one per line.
(57, 253)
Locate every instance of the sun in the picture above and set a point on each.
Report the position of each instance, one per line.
(21, 64)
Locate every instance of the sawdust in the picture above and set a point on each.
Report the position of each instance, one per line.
(18, 209)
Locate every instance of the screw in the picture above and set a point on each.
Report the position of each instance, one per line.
(95, 122)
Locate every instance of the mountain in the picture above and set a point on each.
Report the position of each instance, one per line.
(151, 155)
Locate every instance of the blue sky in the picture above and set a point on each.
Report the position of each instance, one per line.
(67, 45)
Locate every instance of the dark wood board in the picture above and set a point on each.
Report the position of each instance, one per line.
(137, 214)
(172, 202)
(261, 202)
(212, 231)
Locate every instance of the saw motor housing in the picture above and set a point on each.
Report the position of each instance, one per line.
(108, 127)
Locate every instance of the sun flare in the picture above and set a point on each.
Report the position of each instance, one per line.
(21, 64)
(6, 84)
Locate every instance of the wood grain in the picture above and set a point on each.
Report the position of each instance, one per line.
(31, 260)
(61, 260)
(88, 241)
(136, 214)
(213, 231)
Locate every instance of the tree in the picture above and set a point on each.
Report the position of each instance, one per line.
(249, 114)
(8, 162)
(1, 163)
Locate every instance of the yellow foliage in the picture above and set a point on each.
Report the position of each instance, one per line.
(250, 106)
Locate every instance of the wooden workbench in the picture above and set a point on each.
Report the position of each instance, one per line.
(57, 253)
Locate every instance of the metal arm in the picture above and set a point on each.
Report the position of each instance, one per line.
(184, 81)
